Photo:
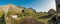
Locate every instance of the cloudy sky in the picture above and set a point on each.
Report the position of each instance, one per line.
(38, 5)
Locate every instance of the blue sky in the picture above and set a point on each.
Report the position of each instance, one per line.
(38, 5)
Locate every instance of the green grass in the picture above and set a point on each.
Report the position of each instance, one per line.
(1, 14)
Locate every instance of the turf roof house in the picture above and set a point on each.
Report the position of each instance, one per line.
(11, 12)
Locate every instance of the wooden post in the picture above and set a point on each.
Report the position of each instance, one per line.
(5, 13)
(57, 10)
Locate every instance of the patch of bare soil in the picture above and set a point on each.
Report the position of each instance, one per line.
(31, 21)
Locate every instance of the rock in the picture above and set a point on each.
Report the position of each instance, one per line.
(51, 11)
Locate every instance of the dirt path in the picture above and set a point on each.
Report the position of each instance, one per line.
(31, 21)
